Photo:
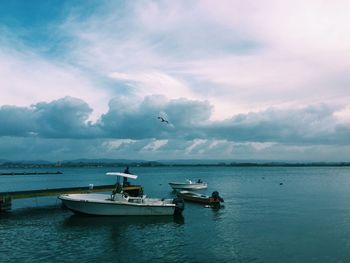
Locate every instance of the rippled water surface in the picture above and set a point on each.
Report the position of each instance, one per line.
(271, 214)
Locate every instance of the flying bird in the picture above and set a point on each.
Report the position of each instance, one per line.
(163, 120)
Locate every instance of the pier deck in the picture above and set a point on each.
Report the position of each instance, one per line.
(29, 173)
(6, 197)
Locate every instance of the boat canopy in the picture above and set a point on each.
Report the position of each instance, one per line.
(132, 176)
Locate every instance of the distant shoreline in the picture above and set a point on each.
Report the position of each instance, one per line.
(160, 164)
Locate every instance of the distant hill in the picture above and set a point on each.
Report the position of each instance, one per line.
(25, 162)
(193, 161)
(85, 162)
(106, 161)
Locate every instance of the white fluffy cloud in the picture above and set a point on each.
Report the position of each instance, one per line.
(239, 55)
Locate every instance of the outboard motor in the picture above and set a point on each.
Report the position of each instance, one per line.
(215, 195)
(179, 205)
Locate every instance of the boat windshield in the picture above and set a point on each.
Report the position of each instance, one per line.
(132, 176)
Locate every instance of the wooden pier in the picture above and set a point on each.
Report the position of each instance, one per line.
(29, 173)
(7, 197)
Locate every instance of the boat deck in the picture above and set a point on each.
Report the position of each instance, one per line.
(106, 199)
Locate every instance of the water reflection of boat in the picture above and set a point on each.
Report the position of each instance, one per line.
(88, 221)
(120, 203)
(214, 199)
(189, 184)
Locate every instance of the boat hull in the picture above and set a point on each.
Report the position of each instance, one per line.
(192, 186)
(91, 206)
(198, 198)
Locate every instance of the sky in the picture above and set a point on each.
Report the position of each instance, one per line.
(235, 79)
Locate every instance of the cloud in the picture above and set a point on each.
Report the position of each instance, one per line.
(149, 82)
(62, 118)
(27, 77)
(314, 124)
(60, 130)
(147, 58)
(36, 148)
(16, 121)
(155, 145)
(129, 120)
(239, 78)
(240, 56)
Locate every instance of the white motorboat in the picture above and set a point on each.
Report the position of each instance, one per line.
(119, 203)
(189, 185)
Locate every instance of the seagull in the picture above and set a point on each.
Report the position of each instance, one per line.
(163, 120)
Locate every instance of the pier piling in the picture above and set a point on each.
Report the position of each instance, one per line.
(5, 203)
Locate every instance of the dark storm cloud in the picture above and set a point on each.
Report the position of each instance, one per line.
(188, 120)
(313, 124)
(63, 118)
(127, 120)
(16, 121)
(36, 148)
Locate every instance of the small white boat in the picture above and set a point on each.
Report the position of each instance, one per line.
(214, 199)
(189, 185)
(119, 203)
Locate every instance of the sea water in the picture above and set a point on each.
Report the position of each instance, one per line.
(270, 214)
